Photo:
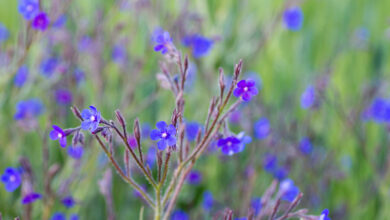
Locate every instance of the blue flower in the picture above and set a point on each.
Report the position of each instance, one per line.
(28, 109)
(305, 145)
(63, 96)
(21, 76)
(11, 179)
(58, 216)
(262, 128)
(68, 202)
(166, 135)
(324, 215)
(199, 45)
(280, 173)
(151, 156)
(162, 40)
(28, 8)
(241, 218)
(246, 89)
(91, 118)
(145, 130)
(75, 152)
(192, 129)
(78, 75)
(48, 66)
(179, 215)
(58, 134)
(244, 139)
(256, 205)
(208, 201)
(30, 198)
(4, 34)
(288, 190)
(230, 145)
(194, 177)
(293, 18)
(60, 21)
(308, 97)
(379, 110)
(270, 163)
(74, 217)
(119, 54)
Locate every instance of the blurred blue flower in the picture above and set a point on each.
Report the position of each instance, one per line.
(194, 177)
(162, 40)
(256, 205)
(48, 66)
(288, 190)
(179, 215)
(58, 134)
(78, 75)
(166, 135)
(305, 146)
(21, 76)
(4, 34)
(30, 108)
(60, 21)
(235, 117)
(30, 198)
(74, 217)
(200, 46)
(230, 145)
(192, 129)
(241, 218)
(293, 18)
(58, 216)
(270, 163)
(68, 202)
(63, 96)
(75, 152)
(244, 139)
(11, 179)
(324, 215)
(151, 156)
(208, 201)
(119, 54)
(145, 130)
(91, 118)
(308, 97)
(28, 8)
(262, 128)
(85, 43)
(280, 173)
(246, 89)
(40, 22)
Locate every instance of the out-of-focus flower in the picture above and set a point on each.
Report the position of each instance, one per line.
(230, 145)
(58, 134)
(132, 142)
(194, 177)
(256, 205)
(246, 89)
(63, 96)
(379, 110)
(165, 134)
(241, 218)
(119, 54)
(270, 163)
(192, 129)
(280, 173)
(4, 34)
(78, 75)
(293, 18)
(58, 216)
(41, 22)
(262, 128)
(75, 152)
(324, 215)
(85, 43)
(68, 202)
(28, 8)
(308, 97)
(91, 118)
(235, 117)
(151, 156)
(208, 201)
(200, 46)
(60, 21)
(244, 139)
(162, 40)
(305, 146)
(145, 130)
(74, 217)
(30, 108)
(179, 215)
(30, 198)
(21, 76)
(288, 190)
(11, 179)
(48, 66)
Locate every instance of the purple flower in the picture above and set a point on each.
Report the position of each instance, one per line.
(58, 216)
(60, 21)
(280, 173)
(208, 201)
(235, 117)
(63, 96)
(68, 202)
(199, 45)
(162, 40)
(75, 152)
(230, 145)
(293, 18)
(28, 109)
(256, 205)
(78, 75)
(379, 110)
(262, 128)
(119, 54)
(194, 177)
(192, 129)
(246, 89)
(308, 97)
(132, 142)
(305, 146)
(288, 190)
(21, 76)
(241, 218)
(28, 8)
(74, 217)
(166, 135)
(4, 34)
(58, 134)
(31, 197)
(85, 43)
(41, 21)
(11, 179)
(151, 156)
(91, 118)
(270, 163)
(324, 215)
(179, 215)
(244, 139)
(48, 66)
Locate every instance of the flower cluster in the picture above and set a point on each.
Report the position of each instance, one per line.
(30, 10)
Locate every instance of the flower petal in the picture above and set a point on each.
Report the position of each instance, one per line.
(86, 124)
(171, 140)
(241, 84)
(171, 130)
(86, 114)
(161, 125)
(53, 135)
(246, 96)
(161, 145)
(63, 141)
(155, 135)
(237, 92)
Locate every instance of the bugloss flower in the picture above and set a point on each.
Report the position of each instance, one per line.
(305, 146)
(288, 190)
(200, 46)
(230, 145)
(194, 177)
(21, 76)
(58, 216)
(208, 201)
(68, 202)
(58, 134)
(246, 89)
(78, 75)
(324, 215)
(162, 40)
(119, 54)
(75, 152)
(280, 173)
(262, 128)
(74, 217)
(30, 198)
(256, 205)
(379, 110)
(270, 163)
(28, 8)
(151, 156)
(308, 97)
(4, 34)
(91, 118)
(192, 129)
(30, 108)
(48, 66)
(41, 22)
(179, 215)
(63, 96)
(166, 135)
(11, 179)
(293, 18)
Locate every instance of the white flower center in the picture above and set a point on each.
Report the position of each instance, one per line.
(164, 135)
(29, 8)
(59, 135)
(229, 143)
(12, 178)
(92, 118)
(246, 88)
